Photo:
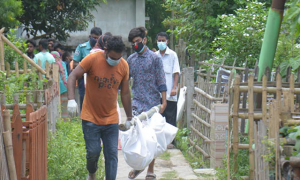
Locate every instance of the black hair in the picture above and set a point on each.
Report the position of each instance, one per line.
(108, 34)
(137, 32)
(65, 55)
(115, 43)
(43, 43)
(103, 39)
(31, 41)
(162, 34)
(51, 40)
(58, 45)
(96, 31)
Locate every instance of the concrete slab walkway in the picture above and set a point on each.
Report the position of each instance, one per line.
(171, 165)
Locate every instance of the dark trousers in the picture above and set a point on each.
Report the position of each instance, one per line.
(109, 135)
(170, 113)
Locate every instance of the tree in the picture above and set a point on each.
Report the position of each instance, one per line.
(10, 10)
(241, 35)
(157, 13)
(196, 21)
(56, 18)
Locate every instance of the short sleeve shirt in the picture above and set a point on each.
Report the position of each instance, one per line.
(81, 51)
(43, 57)
(100, 100)
(148, 80)
(171, 66)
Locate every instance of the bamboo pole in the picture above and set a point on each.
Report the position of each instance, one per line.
(199, 149)
(9, 146)
(291, 94)
(251, 126)
(206, 139)
(2, 51)
(17, 68)
(273, 90)
(41, 70)
(7, 69)
(264, 99)
(24, 67)
(236, 102)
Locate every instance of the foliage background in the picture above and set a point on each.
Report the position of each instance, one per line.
(66, 153)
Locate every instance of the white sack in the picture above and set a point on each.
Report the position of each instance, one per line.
(180, 103)
(139, 145)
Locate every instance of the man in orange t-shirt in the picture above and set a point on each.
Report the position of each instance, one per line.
(106, 71)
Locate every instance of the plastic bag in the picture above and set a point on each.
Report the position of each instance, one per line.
(158, 122)
(139, 145)
(165, 132)
(180, 103)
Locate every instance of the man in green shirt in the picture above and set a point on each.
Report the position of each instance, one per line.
(43, 55)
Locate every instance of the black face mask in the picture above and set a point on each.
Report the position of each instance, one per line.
(139, 47)
(93, 41)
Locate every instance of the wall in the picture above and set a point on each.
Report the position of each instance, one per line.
(117, 17)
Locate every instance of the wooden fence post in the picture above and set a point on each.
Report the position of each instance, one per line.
(235, 125)
(9, 146)
(3, 161)
(189, 82)
(2, 51)
(251, 125)
(17, 68)
(7, 69)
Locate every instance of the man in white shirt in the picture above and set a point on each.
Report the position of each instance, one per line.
(172, 70)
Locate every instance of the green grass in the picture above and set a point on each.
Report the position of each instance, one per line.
(165, 156)
(66, 153)
(169, 175)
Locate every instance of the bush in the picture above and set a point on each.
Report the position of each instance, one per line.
(66, 153)
(241, 35)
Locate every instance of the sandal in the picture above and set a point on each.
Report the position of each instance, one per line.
(135, 173)
(151, 176)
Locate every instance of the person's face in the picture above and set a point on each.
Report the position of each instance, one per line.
(162, 39)
(113, 55)
(60, 51)
(96, 37)
(69, 58)
(30, 48)
(50, 45)
(138, 39)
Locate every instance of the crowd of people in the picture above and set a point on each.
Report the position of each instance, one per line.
(155, 77)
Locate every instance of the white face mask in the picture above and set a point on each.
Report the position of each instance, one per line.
(162, 45)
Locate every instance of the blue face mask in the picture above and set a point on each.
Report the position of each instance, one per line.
(112, 62)
(162, 45)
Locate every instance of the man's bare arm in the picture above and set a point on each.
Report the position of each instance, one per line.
(76, 74)
(126, 98)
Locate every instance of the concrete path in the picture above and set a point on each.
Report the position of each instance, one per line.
(170, 165)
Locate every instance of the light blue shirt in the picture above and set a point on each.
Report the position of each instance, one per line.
(43, 57)
(62, 86)
(81, 51)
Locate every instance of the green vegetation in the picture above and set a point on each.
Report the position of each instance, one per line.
(169, 175)
(10, 55)
(243, 162)
(57, 18)
(10, 10)
(182, 143)
(66, 153)
(241, 35)
(165, 156)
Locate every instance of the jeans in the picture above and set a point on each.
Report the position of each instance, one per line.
(81, 89)
(109, 135)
